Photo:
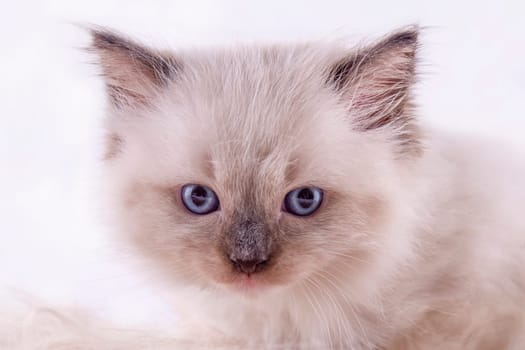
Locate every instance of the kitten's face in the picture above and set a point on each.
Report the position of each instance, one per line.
(246, 128)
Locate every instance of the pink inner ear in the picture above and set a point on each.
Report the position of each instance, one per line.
(133, 73)
(374, 83)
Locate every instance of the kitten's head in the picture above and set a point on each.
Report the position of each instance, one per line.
(261, 166)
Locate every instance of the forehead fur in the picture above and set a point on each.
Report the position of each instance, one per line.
(261, 104)
(242, 104)
(241, 108)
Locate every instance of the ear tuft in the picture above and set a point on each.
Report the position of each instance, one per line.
(132, 72)
(407, 37)
(375, 82)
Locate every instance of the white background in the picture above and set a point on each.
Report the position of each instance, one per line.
(52, 240)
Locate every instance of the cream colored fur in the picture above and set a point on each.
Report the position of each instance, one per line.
(419, 244)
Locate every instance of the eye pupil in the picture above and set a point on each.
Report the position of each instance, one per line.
(305, 203)
(306, 193)
(305, 198)
(198, 196)
(199, 199)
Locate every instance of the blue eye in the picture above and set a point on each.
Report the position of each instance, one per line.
(199, 199)
(303, 201)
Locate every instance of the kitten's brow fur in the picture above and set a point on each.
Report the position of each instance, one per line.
(419, 241)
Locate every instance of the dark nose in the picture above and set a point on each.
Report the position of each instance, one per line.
(249, 266)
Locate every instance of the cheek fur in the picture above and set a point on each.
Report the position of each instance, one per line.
(348, 228)
(154, 221)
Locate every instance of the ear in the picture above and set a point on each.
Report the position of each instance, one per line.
(133, 73)
(375, 84)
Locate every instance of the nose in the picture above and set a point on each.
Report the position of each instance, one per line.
(249, 266)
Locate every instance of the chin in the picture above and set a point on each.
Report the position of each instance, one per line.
(244, 284)
(250, 285)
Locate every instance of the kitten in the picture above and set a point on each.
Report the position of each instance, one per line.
(294, 200)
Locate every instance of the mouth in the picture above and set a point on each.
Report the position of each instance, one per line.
(247, 280)
(248, 275)
(248, 284)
